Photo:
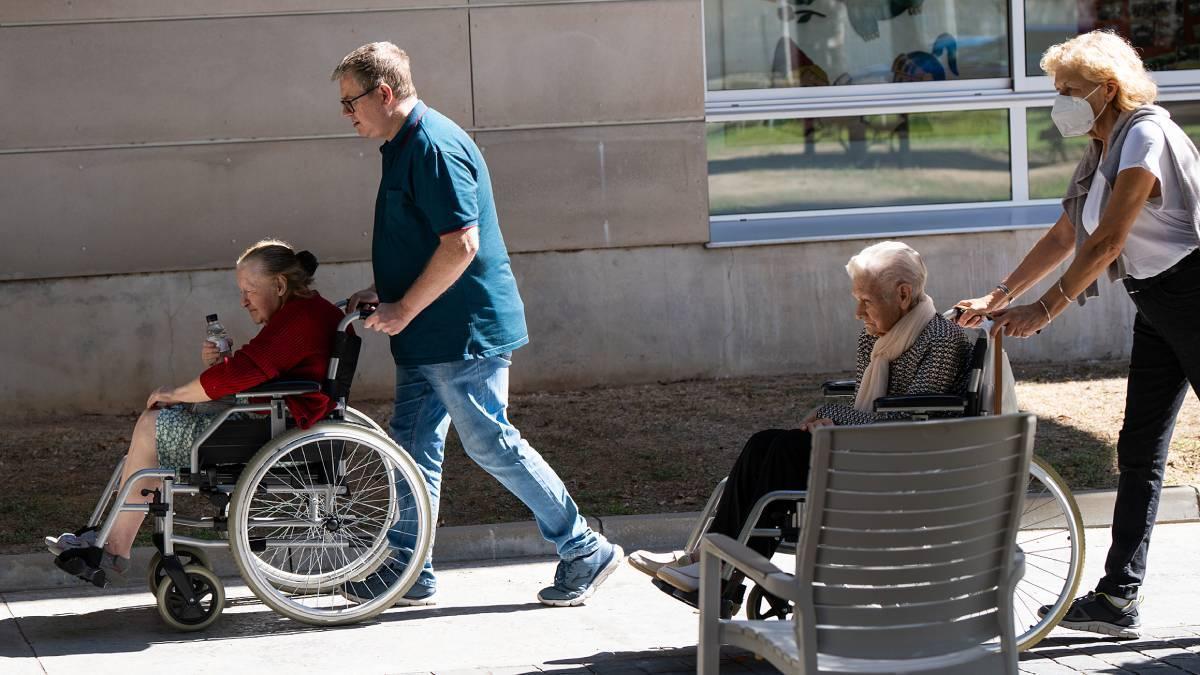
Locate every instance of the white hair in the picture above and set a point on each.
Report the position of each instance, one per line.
(889, 264)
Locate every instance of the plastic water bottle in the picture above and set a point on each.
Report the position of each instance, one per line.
(217, 335)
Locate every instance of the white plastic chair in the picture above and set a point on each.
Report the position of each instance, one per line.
(907, 556)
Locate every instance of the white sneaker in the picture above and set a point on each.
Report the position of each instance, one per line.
(650, 563)
(67, 540)
(686, 578)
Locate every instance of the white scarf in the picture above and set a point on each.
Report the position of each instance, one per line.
(887, 348)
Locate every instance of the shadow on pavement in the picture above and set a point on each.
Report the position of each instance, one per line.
(662, 661)
(135, 629)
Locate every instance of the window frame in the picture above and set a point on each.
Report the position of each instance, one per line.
(1016, 94)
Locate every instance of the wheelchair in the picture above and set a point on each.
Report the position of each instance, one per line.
(302, 511)
(1051, 533)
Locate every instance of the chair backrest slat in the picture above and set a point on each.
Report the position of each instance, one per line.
(906, 500)
(899, 481)
(931, 536)
(915, 574)
(914, 640)
(918, 552)
(870, 460)
(909, 536)
(886, 616)
(901, 520)
(891, 595)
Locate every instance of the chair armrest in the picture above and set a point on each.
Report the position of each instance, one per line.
(914, 403)
(838, 388)
(756, 568)
(279, 389)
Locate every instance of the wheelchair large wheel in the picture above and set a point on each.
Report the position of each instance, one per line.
(1051, 537)
(312, 511)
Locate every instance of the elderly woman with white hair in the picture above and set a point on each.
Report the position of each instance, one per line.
(905, 347)
(1132, 209)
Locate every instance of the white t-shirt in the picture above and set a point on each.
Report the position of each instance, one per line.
(1162, 233)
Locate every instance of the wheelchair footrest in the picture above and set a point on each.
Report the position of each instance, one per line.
(83, 563)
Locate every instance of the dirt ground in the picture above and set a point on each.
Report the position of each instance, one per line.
(620, 450)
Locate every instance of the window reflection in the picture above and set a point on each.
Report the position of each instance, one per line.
(758, 44)
(850, 162)
(1166, 32)
(1052, 158)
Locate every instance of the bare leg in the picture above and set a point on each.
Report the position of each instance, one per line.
(142, 454)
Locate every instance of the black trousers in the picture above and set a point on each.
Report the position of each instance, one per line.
(1164, 360)
(773, 459)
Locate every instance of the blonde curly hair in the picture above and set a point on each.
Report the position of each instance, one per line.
(1100, 56)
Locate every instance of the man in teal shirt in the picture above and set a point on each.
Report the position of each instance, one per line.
(448, 299)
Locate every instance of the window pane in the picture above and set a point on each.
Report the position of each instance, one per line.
(758, 44)
(1052, 158)
(848, 162)
(1166, 32)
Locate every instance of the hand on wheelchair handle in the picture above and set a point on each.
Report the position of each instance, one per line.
(367, 296)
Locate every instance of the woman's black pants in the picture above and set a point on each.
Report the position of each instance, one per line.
(774, 459)
(1164, 360)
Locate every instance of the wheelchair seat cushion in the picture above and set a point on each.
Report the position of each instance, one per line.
(178, 427)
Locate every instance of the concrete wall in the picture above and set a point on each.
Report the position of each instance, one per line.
(145, 143)
(144, 136)
(596, 317)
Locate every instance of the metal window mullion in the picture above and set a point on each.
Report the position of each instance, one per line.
(1018, 143)
(878, 107)
(867, 210)
(859, 92)
(1016, 31)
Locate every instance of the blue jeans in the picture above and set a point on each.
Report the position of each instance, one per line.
(474, 394)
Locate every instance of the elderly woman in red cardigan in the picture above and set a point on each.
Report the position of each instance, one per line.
(295, 342)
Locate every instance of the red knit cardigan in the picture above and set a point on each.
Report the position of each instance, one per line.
(294, 344)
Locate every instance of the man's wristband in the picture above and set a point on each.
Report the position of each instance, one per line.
(1003, 288)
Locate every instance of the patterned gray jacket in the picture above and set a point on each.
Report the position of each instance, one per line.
(934, 364)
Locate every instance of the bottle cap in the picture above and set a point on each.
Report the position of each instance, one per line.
(210, 318)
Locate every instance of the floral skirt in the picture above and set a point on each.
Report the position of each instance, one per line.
(177, 429)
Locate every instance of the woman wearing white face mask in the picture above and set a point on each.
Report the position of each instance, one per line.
(1132, 209)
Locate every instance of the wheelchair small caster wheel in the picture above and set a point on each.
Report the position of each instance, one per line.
(175, 609)
(187, 556)
(763, 605)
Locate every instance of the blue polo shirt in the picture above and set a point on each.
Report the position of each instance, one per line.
(436, 182)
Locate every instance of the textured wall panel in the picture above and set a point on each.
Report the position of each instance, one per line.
(590, 62)
(187, 207)
(93, 10)
(601, 317)
(597, 187)
(166, 81)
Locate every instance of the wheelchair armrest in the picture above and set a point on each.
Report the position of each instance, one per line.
(279, 389)
(838, 388)
(921, 403)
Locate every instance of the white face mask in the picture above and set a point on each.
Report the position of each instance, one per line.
(1073, 115)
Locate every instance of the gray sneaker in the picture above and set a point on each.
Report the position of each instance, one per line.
(66, 540)
(576, 580)
(114, 567)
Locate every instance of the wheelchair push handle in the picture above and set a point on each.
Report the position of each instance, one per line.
(365, 309)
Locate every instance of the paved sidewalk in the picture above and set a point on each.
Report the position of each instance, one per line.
(488, 620)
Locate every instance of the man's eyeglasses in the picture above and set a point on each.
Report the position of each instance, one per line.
(348, 103)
